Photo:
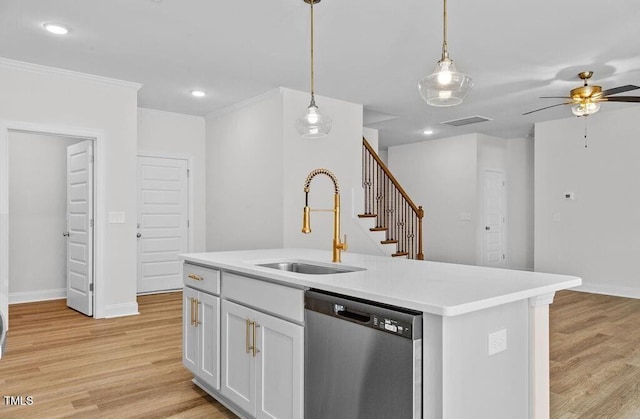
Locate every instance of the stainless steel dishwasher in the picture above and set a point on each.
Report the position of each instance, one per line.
(362, 360)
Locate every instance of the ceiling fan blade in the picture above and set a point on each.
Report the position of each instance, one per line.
(621, 99)
(554, 97)
(621, 89)
(547, 107)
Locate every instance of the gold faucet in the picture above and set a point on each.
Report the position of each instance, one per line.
(306, 227)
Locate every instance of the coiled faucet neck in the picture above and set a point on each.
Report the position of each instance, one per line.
(316, 172)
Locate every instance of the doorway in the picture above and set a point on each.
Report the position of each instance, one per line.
(163, 221)
(19, 266)
(494, 215)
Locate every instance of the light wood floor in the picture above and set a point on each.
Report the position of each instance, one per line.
(77, 367)
(595, 356)
(131, 367)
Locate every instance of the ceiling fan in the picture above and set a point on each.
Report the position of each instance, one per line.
(586, 99)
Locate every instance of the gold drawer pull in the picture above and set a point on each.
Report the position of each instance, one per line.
(254, 347)
(196, 277)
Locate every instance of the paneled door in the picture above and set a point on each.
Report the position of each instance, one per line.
(494, 218)
(162, 222)
(79, 232)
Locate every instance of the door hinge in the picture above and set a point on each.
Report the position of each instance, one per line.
(187, 172)
(91, 222)
(503, 256)
(187, 223)
(91, 287)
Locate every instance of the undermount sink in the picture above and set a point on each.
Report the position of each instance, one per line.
(310, 268)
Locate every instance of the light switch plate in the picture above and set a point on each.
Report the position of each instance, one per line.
(116, 217)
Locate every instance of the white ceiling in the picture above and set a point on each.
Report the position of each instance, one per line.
(371, 52)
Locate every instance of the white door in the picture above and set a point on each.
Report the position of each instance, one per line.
(494, 218)
(80, 227)
(162, 222)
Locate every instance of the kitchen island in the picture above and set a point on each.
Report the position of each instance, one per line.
(485, 330)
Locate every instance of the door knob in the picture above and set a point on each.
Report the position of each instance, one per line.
(139, 235)
(487, 228)
(65, 234)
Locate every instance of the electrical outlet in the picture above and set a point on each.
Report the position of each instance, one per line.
(497, 342)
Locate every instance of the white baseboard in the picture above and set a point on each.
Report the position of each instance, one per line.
(627, 292)
(33, 296)
(121, 310)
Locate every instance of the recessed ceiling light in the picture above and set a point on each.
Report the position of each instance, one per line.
(198, 93)
(56, 28)
(427, 132)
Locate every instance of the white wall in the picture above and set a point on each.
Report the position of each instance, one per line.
(441, 175)
(37, 216)
(45, 97)
(257, 165)
(596, 236)
(520, 158)
(244, 175)
(179, 136)
(445, 177)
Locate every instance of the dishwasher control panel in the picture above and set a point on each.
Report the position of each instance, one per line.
(392, 326)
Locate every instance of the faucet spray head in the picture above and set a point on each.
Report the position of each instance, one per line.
(306, 223)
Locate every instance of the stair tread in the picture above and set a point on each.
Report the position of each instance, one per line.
(367, 215)
(400, 254)
(378, 229)
(388, 241)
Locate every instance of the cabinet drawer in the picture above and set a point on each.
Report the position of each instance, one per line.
(204, 279)
(273, 298)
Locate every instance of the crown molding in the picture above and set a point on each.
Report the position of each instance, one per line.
(245, 103)
(43, 69)
(171, 114)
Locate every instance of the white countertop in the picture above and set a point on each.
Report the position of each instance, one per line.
(444, 289)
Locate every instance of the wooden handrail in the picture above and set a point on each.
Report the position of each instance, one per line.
(391, 212)
(387, 172)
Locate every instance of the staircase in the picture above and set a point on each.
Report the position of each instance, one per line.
(393, 217)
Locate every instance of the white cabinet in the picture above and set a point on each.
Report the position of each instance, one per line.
(201, 334)
(262, 362)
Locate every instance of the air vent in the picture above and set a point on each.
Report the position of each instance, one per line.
(466, 121)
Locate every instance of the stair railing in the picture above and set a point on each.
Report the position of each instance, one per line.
(391, 206)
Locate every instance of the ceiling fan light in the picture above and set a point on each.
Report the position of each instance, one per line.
(313, 124)
(585, 109)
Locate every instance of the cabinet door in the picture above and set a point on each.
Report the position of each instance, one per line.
(238, 363)
(209, 339)
(279, 369)
(189, 330)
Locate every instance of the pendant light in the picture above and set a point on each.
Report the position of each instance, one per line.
(313, 124)
(445, 86)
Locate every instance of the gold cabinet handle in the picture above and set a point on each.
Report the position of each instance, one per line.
(197, 322)
(196, 277)
(192, 311)
(246, 337)
(254, 347)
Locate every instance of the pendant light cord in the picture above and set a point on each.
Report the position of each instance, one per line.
(312, 82)
(445, 52)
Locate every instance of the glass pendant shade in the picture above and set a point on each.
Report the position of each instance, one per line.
(445, 86)
(585, 109)
(313, 124)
